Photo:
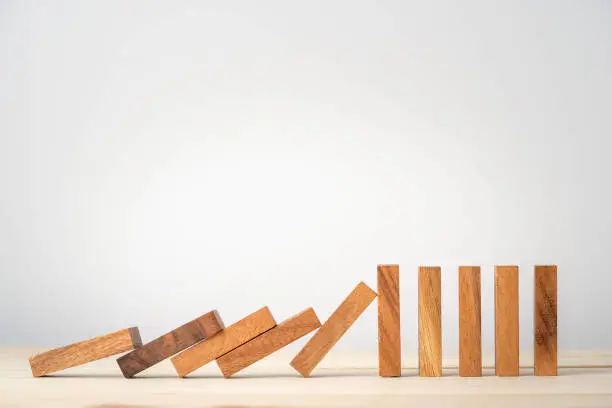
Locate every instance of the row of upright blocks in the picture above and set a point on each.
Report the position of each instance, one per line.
(256, 336)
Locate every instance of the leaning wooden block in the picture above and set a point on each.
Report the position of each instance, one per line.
(171, 343)
(333, 329)
(267, 343)
(430, 322)
(470, 345)
(223, 342)
(389, 343)
(545, 319)
(84, 352)
(506, 321)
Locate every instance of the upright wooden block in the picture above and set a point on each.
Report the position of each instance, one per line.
(545, 321)
(430, 321)
(171, 343)
(470, 346)
(389, 339)
(84, 352)
(506, 321)
(267, 343)
(333, 329)
(223, 342)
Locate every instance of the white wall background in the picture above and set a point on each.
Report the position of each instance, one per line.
(162, 158)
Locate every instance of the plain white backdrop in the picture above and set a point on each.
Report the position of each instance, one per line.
(159, 159)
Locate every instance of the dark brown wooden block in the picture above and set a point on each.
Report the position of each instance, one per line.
(506, 321)
(545, 321)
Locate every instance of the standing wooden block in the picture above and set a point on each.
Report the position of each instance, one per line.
(389, 341)
(506, 321)
(430, 322)
(545, 321)
(267, 343)
(171, 343)
(470, 347)
(85, 351)
(225, 341)
(333, 329)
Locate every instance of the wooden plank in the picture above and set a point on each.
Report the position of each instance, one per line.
(506, 321)
(333, 329)
(85, 352)
(470, 343)
(545, 321)
(170, 343)
(267, 343)
(430, 321)
(389, 339)
(223, 342)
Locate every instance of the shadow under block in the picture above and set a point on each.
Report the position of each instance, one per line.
(267, 343)
(430, 322)
(85, 352)
(171, 343)
(470, 343)
(506, 321)
(223, 342)
(545, 321)
(389, 341)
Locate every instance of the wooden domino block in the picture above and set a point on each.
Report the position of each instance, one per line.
(389, 341)
(506, 321)
(470, 346)
(267, 343)
(545, 321)
(223, 342)
(171, 343)
(430, 322)
(333, 329)
(85, 352)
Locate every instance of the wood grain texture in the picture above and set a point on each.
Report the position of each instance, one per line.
(430, 321)
(85, 352)
(470, 343)
(389, 339)
(333, 329)
(545, 321)
(267, 343)
(506, 321)
(170, 343)
(223, 342)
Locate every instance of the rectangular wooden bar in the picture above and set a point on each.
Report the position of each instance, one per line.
(267, 343)
(333, 329)
(85, 352)
(170, 343)
(506, 321)
(545, 321)
(470, 346)
(430, 321)
(389, 339)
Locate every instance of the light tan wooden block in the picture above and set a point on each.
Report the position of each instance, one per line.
(506, 321)
(333, 329)
(389, 339)
(430, 321)
(470, 346)
(85, 352)
(545, 321)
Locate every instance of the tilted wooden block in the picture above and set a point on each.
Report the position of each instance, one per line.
(267, 343)
(171, 343)
(545, 321)
(333, 329)
(223, 342)
(430, 322)
(470, 346)
(84, 352)
(506, 321)
(389, 339)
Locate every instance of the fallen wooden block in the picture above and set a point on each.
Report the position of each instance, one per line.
(333, 329)
(470, 346)
(267, 343)
(223, 342)
(85, 352)
(171, 343)
(389, 339)
(506, 321)
(430, 322)
(545, 321)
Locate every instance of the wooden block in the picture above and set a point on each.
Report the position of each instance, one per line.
(545, 321)
(389, 339)
(171, 343)
(333, 329)
(470, 346)
(267, 343)
(430, 322)
(85, 351)
(506, 321)
(223, 342)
